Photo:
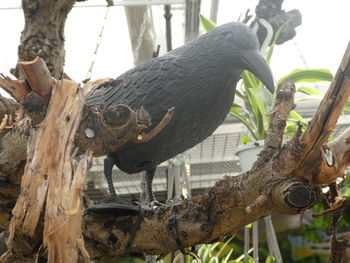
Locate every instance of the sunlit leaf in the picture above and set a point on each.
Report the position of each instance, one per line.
(270, 259)
(309, 97)
(309, 91)
(307, 75)
(245, 139)
(207, 24)
(298, 117)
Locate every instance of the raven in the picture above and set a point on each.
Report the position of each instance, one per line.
(198, 79)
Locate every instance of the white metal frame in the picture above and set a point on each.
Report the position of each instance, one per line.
(115, 3)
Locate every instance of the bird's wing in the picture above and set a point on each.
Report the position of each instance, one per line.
(133, 86)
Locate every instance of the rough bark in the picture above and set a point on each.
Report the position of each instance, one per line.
(54, 182)
(43, 34)
(51, 177)
(273, 185)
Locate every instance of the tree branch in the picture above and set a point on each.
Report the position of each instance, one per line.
(323, 123)
(233, 202)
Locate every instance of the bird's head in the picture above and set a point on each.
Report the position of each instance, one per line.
(241, 44)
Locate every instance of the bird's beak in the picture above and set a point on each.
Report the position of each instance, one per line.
(255, 63)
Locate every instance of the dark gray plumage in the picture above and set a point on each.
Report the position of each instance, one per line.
(198, 79)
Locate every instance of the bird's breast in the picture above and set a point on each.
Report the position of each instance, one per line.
(201, 104)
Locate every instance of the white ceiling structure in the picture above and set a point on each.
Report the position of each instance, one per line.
(321, 39)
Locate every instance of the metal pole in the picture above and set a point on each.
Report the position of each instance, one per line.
(192, 20)
(214, 10)
(167, 16)
(115, 3)
(141, 32)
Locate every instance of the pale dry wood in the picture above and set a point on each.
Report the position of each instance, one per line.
(38, 76)
(18, 89)
(49, 177)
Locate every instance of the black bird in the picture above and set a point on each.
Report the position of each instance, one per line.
(198, 79)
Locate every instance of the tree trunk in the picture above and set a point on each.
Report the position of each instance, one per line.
(43, 34)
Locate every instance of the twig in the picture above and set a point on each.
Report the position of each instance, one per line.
(145, 137)
(18, 89)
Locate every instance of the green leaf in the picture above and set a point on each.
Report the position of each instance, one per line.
(214, 260)
(269, 33)
(206, 254)
(270, 259)
(298, 117)
(246, 121)
(239, 94)
(310, 97)
(309, 91)
(225, 245)
(242, 256)
(307, 75)
(207, 24)
(227, 257)
(245, 139)
(270, 50)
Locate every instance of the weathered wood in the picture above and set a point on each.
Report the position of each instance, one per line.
(16, 88)
(233, 202)
(49, 178)
(8, 107)
(101, 130)
(335, 158)
(322, 124)
(38, 76)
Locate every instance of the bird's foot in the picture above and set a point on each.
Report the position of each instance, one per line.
(117, 206)
(116, 200)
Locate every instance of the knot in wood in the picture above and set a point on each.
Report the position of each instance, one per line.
(300, 196)
(116, 115)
